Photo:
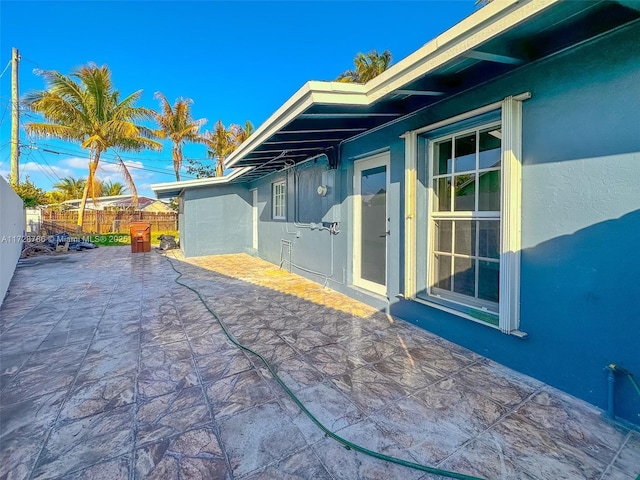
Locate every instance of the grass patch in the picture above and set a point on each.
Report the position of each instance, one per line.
(120, 239)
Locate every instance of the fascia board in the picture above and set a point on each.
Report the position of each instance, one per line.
(300, 101)
(488, 22)
(311, 93)
(199, 182)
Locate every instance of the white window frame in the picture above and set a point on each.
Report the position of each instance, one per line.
(511, 211)
(279, 200)
(453, 215)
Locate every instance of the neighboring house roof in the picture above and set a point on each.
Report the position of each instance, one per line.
(121, 201)
(496, 39)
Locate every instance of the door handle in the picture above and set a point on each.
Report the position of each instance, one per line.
(386, 234)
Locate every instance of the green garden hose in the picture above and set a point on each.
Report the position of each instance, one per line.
(615, 368)
(346, 443)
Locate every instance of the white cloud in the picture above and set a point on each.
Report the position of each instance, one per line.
(75, 162)
(30, 167)
(113, 172)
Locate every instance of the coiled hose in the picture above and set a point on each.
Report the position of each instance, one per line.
(346, 443)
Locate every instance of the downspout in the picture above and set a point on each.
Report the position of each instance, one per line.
(611, 381)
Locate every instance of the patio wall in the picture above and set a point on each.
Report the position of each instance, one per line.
(216, 220)
(11, 231)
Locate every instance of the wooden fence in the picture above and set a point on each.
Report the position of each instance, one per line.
(100, 221)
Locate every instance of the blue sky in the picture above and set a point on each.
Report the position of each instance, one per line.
(237, 60)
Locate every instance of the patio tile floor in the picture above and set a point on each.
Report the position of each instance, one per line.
(109, 370)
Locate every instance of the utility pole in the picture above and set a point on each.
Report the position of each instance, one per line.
(15, 119)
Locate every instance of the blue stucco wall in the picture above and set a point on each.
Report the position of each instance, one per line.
(580, 221)
(216, 220)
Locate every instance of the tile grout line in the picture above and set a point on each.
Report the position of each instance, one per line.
(615, 457)
(509, 412)
(447, 376)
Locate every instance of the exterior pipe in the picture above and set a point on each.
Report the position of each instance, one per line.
(611, 377)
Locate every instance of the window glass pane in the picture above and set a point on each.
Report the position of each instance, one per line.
(279, 199)
(465, 237)
(489, 241)
(465, 194)
(465, 153)
(489, 194)
(465, 254)
(442, 155)
(443, 236)
(490, 142)
(443, 271)
(442, 188)
(464, 276)
(373, 221)
(488, 280)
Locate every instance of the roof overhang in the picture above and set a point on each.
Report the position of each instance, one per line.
(174, 189)
(497, 39)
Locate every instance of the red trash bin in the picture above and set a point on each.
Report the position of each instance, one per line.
(140, 237)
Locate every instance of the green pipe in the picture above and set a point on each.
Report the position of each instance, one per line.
(346, 443)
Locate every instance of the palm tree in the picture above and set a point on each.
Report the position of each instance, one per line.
(177, 124)
(84, 107)
(70, 188)
(241, 133)
(111, 189)
(222, 142)
(367, 67)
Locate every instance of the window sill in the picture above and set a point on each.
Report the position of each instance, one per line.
(442, 305)
(468, 316)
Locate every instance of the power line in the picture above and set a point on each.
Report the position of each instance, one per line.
(83, 155)
(22, 57)
(81, 152)
(5, 160)
(44, 159)
(6, 109)
(40, 167)
(5, 68)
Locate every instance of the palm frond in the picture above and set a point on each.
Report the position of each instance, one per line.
(128, 180)
(51, 130)
(367, 67)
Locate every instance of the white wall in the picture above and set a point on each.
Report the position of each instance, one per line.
(11, 231)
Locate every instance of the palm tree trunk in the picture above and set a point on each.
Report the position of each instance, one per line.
(177, 161)
(219, 171)
(93, 166)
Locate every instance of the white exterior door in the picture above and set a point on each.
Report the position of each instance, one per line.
(371, 184)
